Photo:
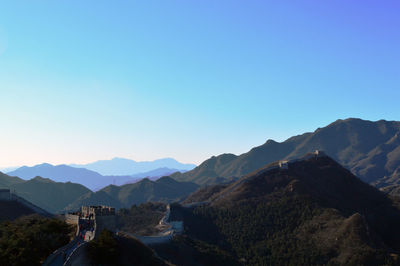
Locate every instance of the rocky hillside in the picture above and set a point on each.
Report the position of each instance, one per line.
(371, 150)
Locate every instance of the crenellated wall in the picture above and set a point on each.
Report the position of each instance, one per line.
(105, 222)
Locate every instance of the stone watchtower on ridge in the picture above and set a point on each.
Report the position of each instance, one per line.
(103, 215)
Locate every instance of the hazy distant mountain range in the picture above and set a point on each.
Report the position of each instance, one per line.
(9, 169)
(152, 175)
(95, 181)
(65, 173)
(371, 150)
(159, 172)
(121, 166)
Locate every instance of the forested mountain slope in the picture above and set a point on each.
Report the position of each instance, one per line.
(314, 212)
(164, 189)
(45, 193)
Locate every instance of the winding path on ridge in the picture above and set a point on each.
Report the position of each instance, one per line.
(63, 255)
(168, 230)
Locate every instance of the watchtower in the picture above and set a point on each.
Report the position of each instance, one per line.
(284, 164)
(104, 216)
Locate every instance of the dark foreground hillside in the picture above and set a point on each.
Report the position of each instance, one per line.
(11, 210)
(314, 212)
(29, 240)
(109, 249)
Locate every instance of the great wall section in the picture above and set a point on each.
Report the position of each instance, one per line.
(91, 220)
(167, 230)
(102, 217)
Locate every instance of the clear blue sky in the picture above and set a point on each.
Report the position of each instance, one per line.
(88, 80)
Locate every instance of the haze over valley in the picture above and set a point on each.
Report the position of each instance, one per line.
(94, 180)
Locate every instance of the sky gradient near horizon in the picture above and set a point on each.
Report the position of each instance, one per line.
(87, 80)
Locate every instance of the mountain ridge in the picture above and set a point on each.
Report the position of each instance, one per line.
(43, 192)
(164, 189)
(369, 149)
(65, 173)
(90, 179)
(312, 211)
(123, 166)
